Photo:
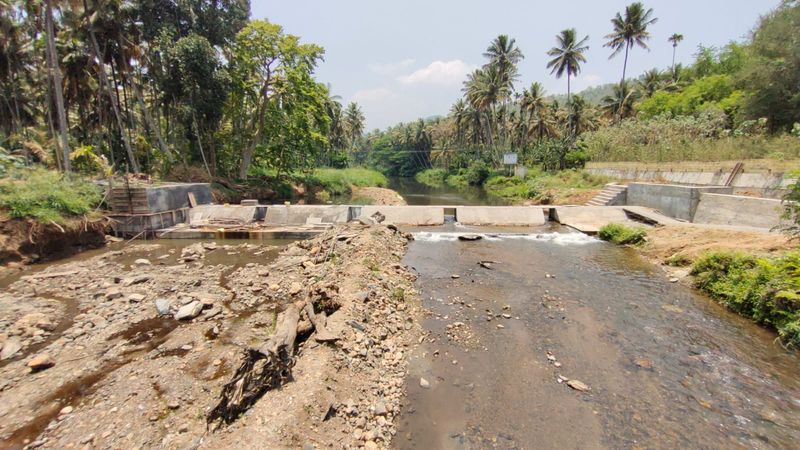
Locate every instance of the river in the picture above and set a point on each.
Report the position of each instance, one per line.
(665, 366)
(416, 193)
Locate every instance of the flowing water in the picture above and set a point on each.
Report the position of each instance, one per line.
(666, 367)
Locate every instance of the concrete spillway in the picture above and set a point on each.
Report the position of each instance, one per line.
(298, 221)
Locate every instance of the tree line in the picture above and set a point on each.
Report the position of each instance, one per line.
(744, 86)
(149, 85)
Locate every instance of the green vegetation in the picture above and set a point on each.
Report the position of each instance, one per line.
(687, 138)
(543, 187)
(732, 103)
(622, 235)
(539, 186)
(766, 290)
(791, 207)
(340, 181)
(46, 196)
(151, 86)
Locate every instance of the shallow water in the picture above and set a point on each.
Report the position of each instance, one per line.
(667, 367)
(416, 193)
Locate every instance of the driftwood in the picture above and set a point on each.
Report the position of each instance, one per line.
(270, 366)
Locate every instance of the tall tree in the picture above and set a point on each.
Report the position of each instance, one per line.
(354, 119)
(675, 39)
(630, 30)
(55, 76)
(504, 53)
(568, 55)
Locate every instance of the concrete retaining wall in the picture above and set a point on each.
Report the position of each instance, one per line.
(766, 184)
(738, 210)
(500, 215)
(306, 214)
(743, 180)
(176, 196)
(672, 200)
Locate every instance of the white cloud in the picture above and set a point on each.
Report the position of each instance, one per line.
(439, 72)
(390, 68)
(372, 95)
(584, 81)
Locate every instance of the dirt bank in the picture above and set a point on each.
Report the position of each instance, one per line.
(126, 377)
(23, 241)
(687, 242)
(378, 196)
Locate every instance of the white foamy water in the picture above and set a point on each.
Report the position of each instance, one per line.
(556, 238)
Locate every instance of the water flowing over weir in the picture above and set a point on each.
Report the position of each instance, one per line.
(663, 367)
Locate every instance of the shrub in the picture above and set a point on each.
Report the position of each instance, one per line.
(477, 173)
(622, 235)
(432, 177)
(763, 289)
(791, 207)
(513, 187)
(46, 196)
(684, 138)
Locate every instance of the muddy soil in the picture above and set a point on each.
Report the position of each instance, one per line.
(126, 373)
(561, 341)
(24, 241)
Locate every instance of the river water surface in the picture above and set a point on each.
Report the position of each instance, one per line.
(665, 367)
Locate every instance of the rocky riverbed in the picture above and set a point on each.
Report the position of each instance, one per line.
(130, 348)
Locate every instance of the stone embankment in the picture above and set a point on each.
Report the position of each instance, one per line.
(131, 348)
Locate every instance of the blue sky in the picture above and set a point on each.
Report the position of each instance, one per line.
(405, 59)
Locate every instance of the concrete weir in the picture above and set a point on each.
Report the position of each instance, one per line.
(173, 211)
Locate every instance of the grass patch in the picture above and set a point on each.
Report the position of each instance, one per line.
(46, 195)
(767, 290)
(622, 235)
(340, 181)
(543, 187)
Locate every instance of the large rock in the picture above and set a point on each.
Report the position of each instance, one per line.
(41, 361)
(163, 306)
(10, 348)
(189, 311)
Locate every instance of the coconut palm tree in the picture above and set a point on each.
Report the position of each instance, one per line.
(620, 103)
(459, 112)
(354, 120)
(675, 39)
(531, 104)
(629, 31)
(504, 53)
(568, 55)
(651, 81)
(55, 76)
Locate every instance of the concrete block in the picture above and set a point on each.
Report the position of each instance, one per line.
(302, 214)
(246, 214)
(718, 209)
(500, 215)
(404, 215)
(588, 219)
